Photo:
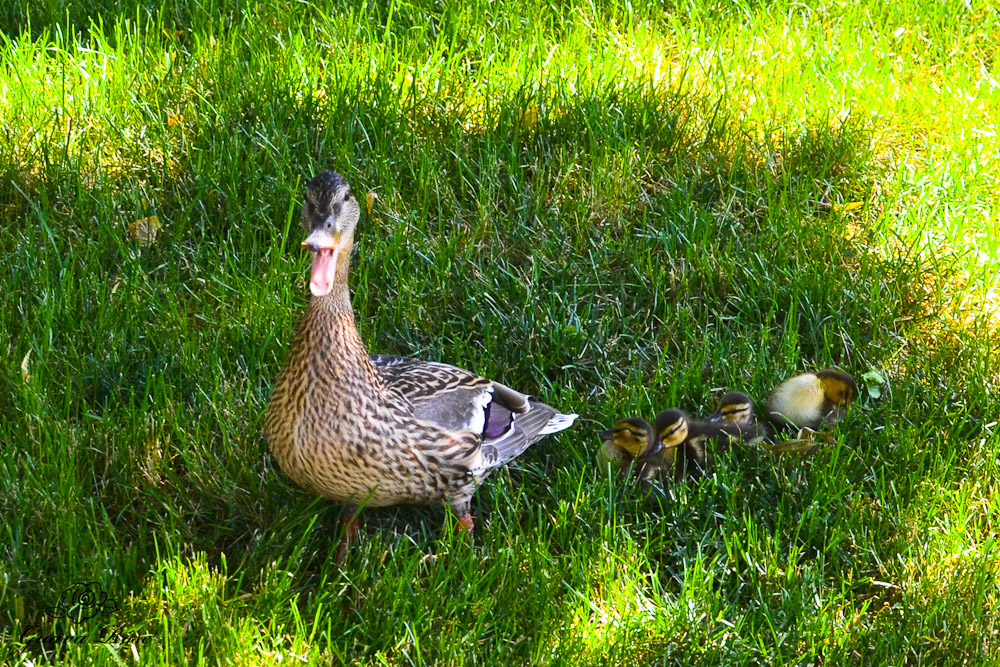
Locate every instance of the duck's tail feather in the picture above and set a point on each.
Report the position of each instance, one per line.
(527, 428)
(558, 422)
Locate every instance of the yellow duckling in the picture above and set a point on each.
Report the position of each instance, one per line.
(811, 400)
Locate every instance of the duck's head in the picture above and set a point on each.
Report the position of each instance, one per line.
(839, 387)
(736, 407)
(634, 435)
(671, 427)
(330, 213)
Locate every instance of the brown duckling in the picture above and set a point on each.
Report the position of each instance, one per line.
(632, 443)
(811, 400)
(374, 431)
(689, 437)
(735, 407)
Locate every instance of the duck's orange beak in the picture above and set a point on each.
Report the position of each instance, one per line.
(320, 239)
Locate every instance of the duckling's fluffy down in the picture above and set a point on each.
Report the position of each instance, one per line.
(799, 401)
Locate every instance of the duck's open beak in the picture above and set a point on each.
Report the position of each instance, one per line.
(326, 248)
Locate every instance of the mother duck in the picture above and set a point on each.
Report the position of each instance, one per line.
(374, 430)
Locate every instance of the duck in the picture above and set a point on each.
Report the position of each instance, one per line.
(736, 407)
(372, 430)
(689, 437)
(631, 443)
(811, 400)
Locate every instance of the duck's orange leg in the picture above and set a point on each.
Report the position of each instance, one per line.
(466, 522)
(349, 527)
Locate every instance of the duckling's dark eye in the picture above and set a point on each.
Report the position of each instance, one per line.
(347, 196)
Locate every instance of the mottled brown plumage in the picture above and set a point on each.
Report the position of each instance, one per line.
(371, 430)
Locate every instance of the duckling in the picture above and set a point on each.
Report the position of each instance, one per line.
(376, 430)
(811, 400)
(735, 407)
(632, 442)
(689, 438)
(627, 440)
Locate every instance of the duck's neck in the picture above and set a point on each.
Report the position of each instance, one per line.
(329, 334)
(334, 305)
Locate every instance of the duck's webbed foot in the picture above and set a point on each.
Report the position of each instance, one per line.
(463, 512)
(466, 522)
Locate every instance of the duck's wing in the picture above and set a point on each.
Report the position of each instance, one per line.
(448, 396)
(507, 420)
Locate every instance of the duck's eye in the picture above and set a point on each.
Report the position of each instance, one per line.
(347, 196)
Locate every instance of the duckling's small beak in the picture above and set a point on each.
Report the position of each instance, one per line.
(715, 416)
(604, 435)
(661, 446)
(324, 270)
(653, 450)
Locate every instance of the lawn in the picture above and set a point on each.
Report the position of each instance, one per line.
(618, 207)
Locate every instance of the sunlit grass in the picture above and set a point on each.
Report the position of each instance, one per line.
(618, 207)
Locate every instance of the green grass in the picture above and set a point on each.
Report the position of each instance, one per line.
(619, 207)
